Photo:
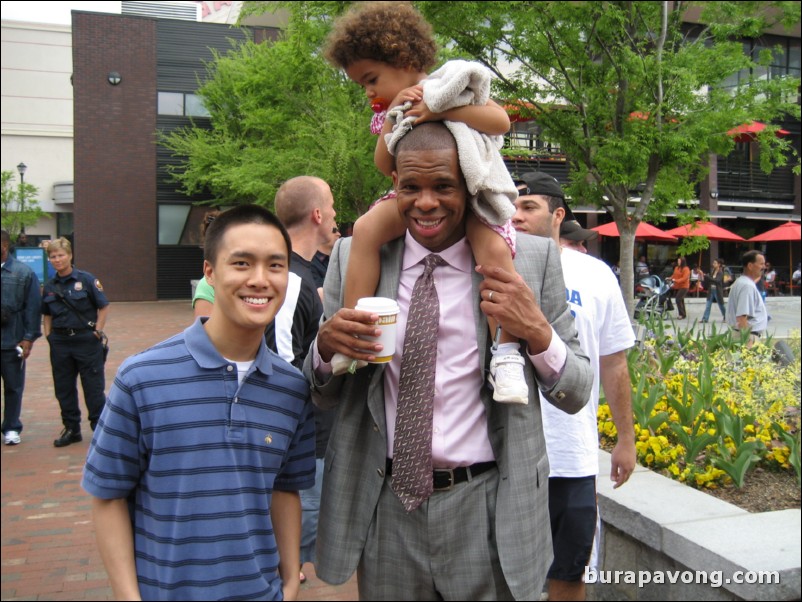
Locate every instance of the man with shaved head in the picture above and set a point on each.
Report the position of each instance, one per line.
(432, 491)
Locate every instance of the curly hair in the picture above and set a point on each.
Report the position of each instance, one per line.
(391, 32)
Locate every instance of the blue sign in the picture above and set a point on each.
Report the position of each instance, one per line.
(35, 258)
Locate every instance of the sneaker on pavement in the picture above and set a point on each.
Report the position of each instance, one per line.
(67, 437)
(507, 379)
(11, 438)
(340, 364)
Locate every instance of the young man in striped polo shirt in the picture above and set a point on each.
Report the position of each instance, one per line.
(206, 439)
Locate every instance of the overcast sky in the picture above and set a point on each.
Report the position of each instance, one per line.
(52, 12)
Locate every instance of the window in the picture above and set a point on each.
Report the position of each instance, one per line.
(171, 103)
(182, 104)
(182, 224)
(64, 224)
(172, 219)
(785, 60)
(193, 106)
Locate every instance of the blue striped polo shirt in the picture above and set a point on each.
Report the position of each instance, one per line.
(198, 456)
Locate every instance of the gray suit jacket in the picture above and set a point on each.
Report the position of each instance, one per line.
(355, 459)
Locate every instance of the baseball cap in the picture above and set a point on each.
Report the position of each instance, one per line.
(572, 230)
(539, 182)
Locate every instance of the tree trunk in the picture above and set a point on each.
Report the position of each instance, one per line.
(627, 265)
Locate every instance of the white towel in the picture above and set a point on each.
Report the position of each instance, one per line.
(457, 84)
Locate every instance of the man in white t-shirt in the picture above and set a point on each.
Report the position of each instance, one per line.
(572, 441)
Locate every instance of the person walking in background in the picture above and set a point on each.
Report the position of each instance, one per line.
(715, 286)
(770, 279)
(320, 262)
(573, 236)
(305, 205)
(203, 298)
(616, 267)
(641, 267)
(697, 280)
(22, 241)
(21, 319)
(212, 435)
(681, 285)
(572, 440)
(75, 310)
(746, 310)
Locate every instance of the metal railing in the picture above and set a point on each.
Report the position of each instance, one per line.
(739, 177)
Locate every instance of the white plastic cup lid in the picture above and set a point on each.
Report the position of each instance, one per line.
(377, 305)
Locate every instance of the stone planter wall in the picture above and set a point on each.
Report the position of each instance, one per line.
(656, 525)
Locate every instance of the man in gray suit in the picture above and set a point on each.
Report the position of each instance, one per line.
(483, 533)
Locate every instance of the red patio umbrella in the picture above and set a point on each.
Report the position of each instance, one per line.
(709, 229)
(644, 231)
(747, 131)
(789, 231)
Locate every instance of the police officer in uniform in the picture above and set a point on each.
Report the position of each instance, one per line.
(75, 311)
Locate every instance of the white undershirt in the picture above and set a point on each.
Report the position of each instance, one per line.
(242, 368)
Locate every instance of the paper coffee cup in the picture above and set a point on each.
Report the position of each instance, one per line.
(387, 309)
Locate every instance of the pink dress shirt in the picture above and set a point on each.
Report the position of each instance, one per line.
(459, 429)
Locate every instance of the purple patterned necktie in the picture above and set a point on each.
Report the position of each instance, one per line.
(412, 453)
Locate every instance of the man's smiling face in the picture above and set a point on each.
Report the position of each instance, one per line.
(249, 276)
(432, 196)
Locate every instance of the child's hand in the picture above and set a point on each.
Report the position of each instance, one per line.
(422, 113)
(412, 94)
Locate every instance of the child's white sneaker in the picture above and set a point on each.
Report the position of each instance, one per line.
(340, 364)
(507, 378)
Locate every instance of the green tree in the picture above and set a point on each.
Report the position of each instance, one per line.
(631, 93)
(633, 96)
(278, 110)
(20, 206)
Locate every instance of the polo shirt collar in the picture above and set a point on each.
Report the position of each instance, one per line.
(206, 355)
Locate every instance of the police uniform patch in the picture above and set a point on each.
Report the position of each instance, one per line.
(98, 286)
(79, 286)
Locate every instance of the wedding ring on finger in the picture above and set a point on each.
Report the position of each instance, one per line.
(490, 297)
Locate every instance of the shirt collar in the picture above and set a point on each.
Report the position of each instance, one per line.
(457, 255)
(71, 276)
(207, 356)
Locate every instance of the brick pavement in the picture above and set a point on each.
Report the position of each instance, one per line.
(47, 543)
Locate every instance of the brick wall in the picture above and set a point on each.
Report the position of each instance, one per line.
(115, 153)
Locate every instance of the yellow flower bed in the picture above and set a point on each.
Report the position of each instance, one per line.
(708, 408)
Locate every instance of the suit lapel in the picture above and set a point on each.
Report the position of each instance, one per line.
(479, 317)
(392, 256)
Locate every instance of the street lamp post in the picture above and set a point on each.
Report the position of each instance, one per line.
(22, 168)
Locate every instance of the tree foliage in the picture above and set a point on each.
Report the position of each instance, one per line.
(631, 92)
(633, 95)
(278, 110)
(20, 206)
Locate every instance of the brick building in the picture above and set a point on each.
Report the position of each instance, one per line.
(134, 76)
